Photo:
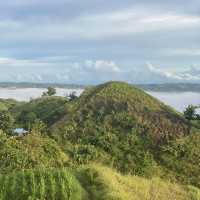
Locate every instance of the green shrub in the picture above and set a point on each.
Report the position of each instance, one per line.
(182, 158)
(27, 152)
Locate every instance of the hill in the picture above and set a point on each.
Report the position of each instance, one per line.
(41, 184)
(104, 183)
(47, 109)
(89, 183)
(113, 142)
(119, 125)
(121, 98)
(117, 99)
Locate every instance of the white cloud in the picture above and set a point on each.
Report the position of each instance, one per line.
(191, 75)
(45, 70)
(103, 66)
(87, 71)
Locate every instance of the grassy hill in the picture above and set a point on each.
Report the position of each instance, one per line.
(51, 184)
(89, 183)
(115, 100)
(114, 142)
(118, 125)
(103, 183)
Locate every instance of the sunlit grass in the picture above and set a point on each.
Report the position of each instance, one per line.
(105, 184)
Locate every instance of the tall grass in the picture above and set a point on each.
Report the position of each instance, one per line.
(49, 184)
(102, 183)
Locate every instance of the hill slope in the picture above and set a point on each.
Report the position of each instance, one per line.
(89, 183)
(118, 97)
(120, 125)
(43, 184)
(29, 152)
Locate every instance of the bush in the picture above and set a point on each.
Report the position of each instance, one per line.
(27, 152)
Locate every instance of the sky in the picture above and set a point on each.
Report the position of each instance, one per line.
(93, 41)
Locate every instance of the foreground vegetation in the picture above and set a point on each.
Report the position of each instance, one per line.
(40, 184)
(89, 183)
(113, 142)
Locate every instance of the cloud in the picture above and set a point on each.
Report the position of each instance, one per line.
(118, 37)
(60, 70)
(103, 66)
(112, 24)
(64, 70)
(191, 75)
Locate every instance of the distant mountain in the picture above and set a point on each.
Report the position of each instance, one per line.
(165, 87)
(39, 85)
(171, 87)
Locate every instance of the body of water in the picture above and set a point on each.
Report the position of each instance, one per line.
(25, 94)
(177, 100)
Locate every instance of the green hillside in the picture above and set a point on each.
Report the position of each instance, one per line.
(47, 109)
(49, 184)
(103, 183)
(119, 125)
(29, 152)
(8, 104)
(181, 159)
(114, 101)
(89, 183)
(114, 142)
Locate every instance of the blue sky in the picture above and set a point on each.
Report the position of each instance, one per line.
(92, 41)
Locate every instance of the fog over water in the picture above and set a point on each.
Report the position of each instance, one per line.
(25, 94)
(177, 100)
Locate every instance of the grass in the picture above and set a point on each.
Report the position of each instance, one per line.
(49, 184)
(91, 182)
(102, 183)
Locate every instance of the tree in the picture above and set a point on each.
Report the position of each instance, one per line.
(72, 96)
(50, 92)
(190, 114)
(6, 121)
(27, 119)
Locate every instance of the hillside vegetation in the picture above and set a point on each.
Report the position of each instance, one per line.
(89, 183)
(103, 183)
(47, 109)
(49, 184)
(8, 104)
(29, 152)
(125, 106)
(118, 125)
(114, 142)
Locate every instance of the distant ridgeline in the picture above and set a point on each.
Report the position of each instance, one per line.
(113, 142)
(165, 87)
(171, 87)
(40, 85)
